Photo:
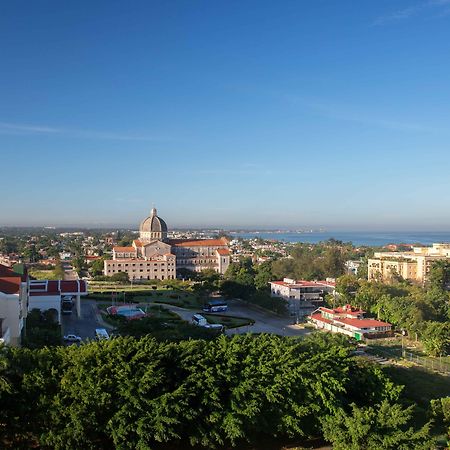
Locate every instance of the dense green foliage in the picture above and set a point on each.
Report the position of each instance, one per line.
(383, 426)
(316, 261)
(133, 394)
(42, 329)
(422, 311)
(250, 282)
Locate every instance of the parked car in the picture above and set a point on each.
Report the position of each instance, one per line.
(72, 338)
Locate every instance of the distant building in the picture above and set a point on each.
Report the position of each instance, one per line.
(303, 296)
(349, 321)
(352, 267)
(154, 256)
(411, 265)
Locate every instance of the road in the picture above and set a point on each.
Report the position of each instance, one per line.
(85, 325)
(265, 322)
(69, 273)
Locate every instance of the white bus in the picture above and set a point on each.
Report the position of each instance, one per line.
(101, 333)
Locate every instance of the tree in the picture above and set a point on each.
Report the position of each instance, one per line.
(347, 286)
(263, 276)
(96, 267)
(383, 427)
(121, 277)
(435, 337)
(439, 276)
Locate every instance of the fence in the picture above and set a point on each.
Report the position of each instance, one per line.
(437, 364)
(430, 363)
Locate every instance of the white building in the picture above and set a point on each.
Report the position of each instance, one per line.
(13, 305)
(349, 321)
(303, 296)
(47, 294)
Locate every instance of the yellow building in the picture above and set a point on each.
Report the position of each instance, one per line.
(413, 265)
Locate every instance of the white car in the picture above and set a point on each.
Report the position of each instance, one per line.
(72, 338)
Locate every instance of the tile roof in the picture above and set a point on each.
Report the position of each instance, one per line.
(222, 242)
(223, 251)
(124, 249)
(57, 287)
(302, 283)
(363, 323)
(10, 285)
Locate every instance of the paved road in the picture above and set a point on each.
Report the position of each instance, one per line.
(69, 273)
(85, 325)
(265, 322)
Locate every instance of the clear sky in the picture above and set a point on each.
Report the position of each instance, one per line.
(228, 113)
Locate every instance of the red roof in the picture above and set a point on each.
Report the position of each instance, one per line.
(363, 323)
(6, 271)
(301, 283)
(124, 249)
(57, 287)
(320, 318)
(347, 309)
(10, 285)
(222, 242)
(223, 251)
(137, 243)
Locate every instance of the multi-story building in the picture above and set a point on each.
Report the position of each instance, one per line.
(411, 265)
(154, 256)
(350, 321)
(13, 304)
(303, 296)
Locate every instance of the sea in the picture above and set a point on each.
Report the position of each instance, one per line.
(372, 239)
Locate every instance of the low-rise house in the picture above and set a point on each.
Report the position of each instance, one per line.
(350, 321)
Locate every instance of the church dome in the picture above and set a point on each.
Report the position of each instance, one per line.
(153, 227)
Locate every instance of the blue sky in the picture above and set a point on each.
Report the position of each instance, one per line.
(233, 113)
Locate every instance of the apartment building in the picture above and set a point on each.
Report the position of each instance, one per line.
(411, 265)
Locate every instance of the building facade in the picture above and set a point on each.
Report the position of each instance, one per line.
(13, 304)
(155, 257)
(302, 296)
(350, 321)
(411, 265)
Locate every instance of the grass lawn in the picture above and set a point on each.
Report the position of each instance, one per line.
(157, 311)
(175, 298)
(420, 385)
(44, 274)
(228, 321)
(184, 299)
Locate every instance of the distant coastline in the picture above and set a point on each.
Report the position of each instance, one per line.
(372, 239)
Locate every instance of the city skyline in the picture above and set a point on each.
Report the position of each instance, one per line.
(226, 115)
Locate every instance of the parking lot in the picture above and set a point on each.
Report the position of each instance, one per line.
(265, 321)
(85, 325)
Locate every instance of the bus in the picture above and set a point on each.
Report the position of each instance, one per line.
(199, 320)
(101, 333)
(66, 305)
(215, 305)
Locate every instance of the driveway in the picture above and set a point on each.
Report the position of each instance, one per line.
(85, 325)
(265, 322)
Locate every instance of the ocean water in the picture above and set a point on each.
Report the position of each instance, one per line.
(356, 237)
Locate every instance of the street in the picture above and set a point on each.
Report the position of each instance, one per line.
(265, 322)
(85, 325)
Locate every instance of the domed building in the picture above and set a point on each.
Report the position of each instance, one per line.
(153, 227)
(154, 256)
